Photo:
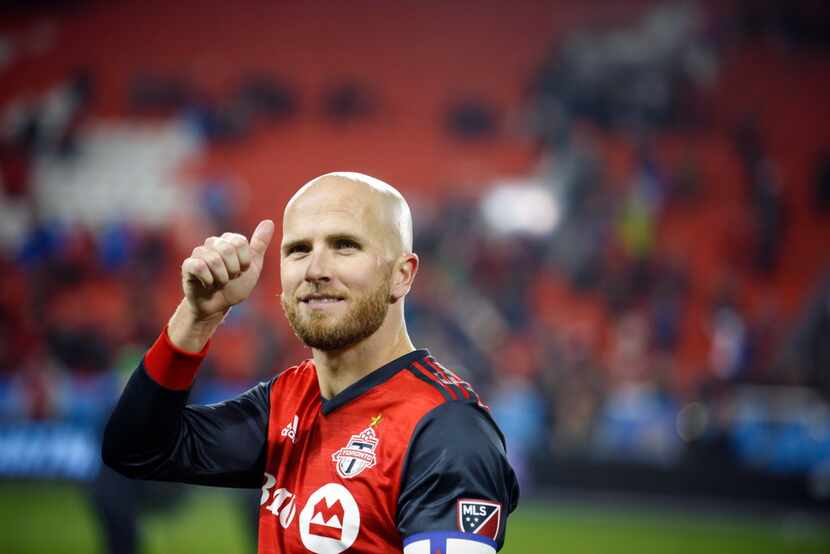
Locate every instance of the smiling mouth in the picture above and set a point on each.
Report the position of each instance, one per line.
(318, 299)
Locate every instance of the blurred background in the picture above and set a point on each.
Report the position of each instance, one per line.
(622, 210)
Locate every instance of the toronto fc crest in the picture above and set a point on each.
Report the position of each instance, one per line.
(357, 455)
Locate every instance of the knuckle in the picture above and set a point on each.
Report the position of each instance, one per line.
(192, 266)
(233, 238)
(225, 248)
(213, 259)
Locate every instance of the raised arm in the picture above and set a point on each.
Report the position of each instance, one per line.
(153, 433)
(218, 274)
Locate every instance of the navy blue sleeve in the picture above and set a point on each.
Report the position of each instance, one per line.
(456, 476)
(153, 434)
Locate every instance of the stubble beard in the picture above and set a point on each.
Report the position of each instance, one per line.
(359, 323)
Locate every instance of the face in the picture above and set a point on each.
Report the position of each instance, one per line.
(334, 272)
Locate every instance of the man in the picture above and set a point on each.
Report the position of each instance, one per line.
(371, 446)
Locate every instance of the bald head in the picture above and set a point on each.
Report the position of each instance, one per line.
(346, 263)
(374, 203)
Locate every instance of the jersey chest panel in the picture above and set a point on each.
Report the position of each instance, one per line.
(332, 481)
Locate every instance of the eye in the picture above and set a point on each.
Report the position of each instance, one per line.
(298, 249)
(346, 244)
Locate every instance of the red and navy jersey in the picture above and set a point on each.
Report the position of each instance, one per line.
(405, 459)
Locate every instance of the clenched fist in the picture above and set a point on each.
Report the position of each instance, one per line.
(223, 271)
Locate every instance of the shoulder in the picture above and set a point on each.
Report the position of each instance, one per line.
(424, 394)
(297, 383)
(433, 380)
(447, 405)
(303, 371)
(460, 428)
(456, 463)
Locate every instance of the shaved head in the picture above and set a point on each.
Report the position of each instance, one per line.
(346, 260)
(379, 204)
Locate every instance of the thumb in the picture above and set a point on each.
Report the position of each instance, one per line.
(262, 237)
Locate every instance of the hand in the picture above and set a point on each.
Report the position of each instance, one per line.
(223, 271)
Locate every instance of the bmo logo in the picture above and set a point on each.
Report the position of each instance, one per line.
(330, 520)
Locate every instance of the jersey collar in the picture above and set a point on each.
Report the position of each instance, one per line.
(380, 375)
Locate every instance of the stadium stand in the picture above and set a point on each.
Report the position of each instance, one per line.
(683, 246)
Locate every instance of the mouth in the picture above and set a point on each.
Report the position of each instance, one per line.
(320, 300)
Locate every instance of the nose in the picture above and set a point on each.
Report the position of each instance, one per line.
(318, 267)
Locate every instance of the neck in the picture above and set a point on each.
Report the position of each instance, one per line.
(338, 369)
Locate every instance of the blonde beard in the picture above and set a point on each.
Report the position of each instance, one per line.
(359, 323)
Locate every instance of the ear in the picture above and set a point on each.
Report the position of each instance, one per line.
(403, 275)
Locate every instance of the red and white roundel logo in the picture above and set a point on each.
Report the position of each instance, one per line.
(330, 520)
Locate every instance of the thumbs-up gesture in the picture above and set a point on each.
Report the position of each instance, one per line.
(224, 270)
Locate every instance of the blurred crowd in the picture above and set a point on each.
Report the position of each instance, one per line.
(619, 390)
(571, 322)
(87, 267)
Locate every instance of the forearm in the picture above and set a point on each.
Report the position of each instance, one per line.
(190, 333)
(143, 429)
(147, 421)
(154, 434)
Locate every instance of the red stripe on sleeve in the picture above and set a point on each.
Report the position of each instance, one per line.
(170, 366)
(434, 379)
(449, 378)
